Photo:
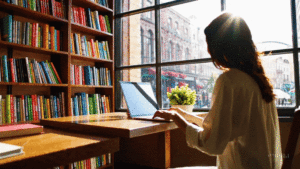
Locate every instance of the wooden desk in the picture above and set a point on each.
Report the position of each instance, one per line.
(142, 142)
(55, 148)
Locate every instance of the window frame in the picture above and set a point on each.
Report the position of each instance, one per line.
(282, 111)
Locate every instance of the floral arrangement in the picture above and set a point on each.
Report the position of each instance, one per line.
(182, 96)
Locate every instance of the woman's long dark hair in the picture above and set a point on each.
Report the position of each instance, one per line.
(230, 45)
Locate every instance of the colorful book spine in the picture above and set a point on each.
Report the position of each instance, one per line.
(7, 28)
(45, 36)
(8, 110)
(5, 68)
(46, 72)
(107, 24)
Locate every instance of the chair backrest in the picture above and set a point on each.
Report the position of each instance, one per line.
(292, 141)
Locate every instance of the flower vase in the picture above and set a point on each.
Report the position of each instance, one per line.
(187, 108)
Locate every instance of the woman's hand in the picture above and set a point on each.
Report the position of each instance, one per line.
(179, 111)
(165, 114)
(172, 115)
(188, 116)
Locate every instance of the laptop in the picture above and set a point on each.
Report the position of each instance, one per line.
(140, 100)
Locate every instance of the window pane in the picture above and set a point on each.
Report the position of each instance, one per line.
(129, 5)
(202, 78)
(298, 19)
(199, 77)
(165, 1)
(138, 75)
(138, 40)
(182, 29)
(280, 70)
(271, 29)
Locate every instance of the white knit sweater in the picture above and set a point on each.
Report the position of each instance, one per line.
(241, 128)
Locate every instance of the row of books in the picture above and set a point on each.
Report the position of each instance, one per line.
(24, 70)
(90, 48)
(32, 34)
(91, 163)
(87, 75)
(50, 7)
(90, 18)
(25, 108)
(87, 104)
(101, 2)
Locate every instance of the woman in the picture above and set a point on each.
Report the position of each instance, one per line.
(242, 126)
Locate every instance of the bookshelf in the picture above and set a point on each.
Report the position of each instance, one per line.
(62, 55)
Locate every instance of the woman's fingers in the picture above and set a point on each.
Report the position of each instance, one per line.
(163, 114)
(158, 114)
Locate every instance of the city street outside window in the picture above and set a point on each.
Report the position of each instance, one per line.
(183, 57)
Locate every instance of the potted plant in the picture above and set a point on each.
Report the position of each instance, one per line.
(182, 97)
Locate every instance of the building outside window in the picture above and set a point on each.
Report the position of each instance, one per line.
(176, 27)
(170, 23)
(272, 32)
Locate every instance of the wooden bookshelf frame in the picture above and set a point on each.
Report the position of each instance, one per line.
(61, 59)
(68, 27)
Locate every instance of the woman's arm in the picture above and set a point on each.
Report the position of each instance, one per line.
(189, 116)
(176, 116)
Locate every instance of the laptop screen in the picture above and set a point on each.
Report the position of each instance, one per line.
(140, 98)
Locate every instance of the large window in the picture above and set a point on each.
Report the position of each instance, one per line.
(171, 50)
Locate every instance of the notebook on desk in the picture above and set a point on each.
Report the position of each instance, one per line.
(140, 100)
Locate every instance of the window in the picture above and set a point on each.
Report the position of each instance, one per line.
(170, 23)
(170, 51)
(177, 55)
(176, 27)
(150, 47)
(183, 59)
(149, 14)
(177, 52)
(142, 46)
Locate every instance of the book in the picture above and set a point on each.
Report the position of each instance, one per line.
(107, 24)
(7, 29)
(20, 130)
(9, 150)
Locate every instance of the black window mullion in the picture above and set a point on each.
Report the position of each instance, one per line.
(223, 5)
(118, 58)
(158, 54)
(295, 51)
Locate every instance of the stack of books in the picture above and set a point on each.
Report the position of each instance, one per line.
(20, 130)
(6, 131)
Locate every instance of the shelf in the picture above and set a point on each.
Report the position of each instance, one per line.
(92, 5)
(33, 84)
(31, 49)
(91, 86)
(85, 29)
(105, 166)
(21, 11)
(80, 57)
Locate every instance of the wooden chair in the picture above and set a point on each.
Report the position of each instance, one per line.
(292, 141)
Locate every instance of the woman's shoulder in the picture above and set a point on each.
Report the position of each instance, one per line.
(237, 78)
(234, 73)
